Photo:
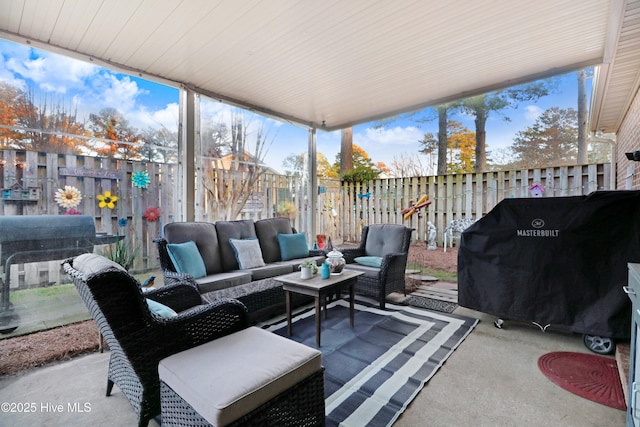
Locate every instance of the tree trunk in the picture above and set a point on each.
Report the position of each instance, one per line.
(346, 151)
(442, 141)
(582, 118)
(481, 135)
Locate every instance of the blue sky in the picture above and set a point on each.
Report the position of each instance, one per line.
(145, 104)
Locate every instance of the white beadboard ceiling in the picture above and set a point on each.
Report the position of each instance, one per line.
(328, 63)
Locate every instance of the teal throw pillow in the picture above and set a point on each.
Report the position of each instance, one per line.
(161, 309)
(369, 261)
(186, 258)
(293, 246)
(248, 253)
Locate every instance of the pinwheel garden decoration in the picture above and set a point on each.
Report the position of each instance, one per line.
(141, 179)
(107, 200)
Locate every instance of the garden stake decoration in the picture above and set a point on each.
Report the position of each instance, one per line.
(416, 207)
(107, 200)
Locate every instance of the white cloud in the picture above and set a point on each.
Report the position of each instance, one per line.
(119, 93)
(388, 136)
(532, 112)
(48, 71)
(167, 118)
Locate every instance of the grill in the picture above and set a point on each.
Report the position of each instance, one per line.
(36, 238)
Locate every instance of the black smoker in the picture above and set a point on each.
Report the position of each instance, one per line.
(556, 262)
(35, 238)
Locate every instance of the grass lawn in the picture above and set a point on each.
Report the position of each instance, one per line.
(444, 276)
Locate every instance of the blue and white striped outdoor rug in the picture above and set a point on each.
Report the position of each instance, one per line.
(373, 371)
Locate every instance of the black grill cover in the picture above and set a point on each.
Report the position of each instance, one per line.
(558, 261)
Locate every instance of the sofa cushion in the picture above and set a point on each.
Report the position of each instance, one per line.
(267, 231)
(242, 229)
(293, 246)
(270, 270)
(204, 235)
(186, 259)
(295, 263)
(369, 261)
(253, 365)
(384, 239)
(248, 253)
(214, 282)
(370, 272)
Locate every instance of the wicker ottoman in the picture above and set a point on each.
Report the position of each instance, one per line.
(251, 377)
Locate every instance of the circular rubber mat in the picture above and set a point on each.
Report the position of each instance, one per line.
(590, 376)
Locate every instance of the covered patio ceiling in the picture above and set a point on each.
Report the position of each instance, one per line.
(331, 64)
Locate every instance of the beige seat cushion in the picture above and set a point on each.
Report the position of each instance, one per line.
(233, 375)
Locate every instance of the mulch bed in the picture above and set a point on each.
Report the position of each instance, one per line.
(29, 351)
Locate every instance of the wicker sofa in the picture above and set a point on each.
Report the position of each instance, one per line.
(224, 276)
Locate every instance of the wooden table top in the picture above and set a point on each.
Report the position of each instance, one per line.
(317, 282)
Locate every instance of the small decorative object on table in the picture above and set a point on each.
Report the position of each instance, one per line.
(308, 269)
(326, 270)
(336, 261)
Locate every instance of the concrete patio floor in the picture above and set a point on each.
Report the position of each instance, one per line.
(492, 379)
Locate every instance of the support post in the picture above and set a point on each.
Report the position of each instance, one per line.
(186, 155)
(312, 187)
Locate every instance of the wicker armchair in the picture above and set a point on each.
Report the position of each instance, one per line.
(389, 242)
(139, 339)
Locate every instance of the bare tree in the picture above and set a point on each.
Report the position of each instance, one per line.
(406, 165)
(232, 174)
(160, 145)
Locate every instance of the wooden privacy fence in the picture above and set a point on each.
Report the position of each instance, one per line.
(40, 174)
(458, 196)
(30, 179)
(340, 213)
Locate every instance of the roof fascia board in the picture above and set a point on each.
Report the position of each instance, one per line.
(39, 44)
(602, 76)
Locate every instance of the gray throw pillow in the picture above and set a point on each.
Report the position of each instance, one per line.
(248, 253)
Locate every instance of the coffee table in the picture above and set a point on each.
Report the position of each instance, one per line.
(318, 288)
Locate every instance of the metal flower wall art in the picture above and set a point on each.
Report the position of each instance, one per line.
(107, 200)
(68, 197)
(151, 214)
(141, 179)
